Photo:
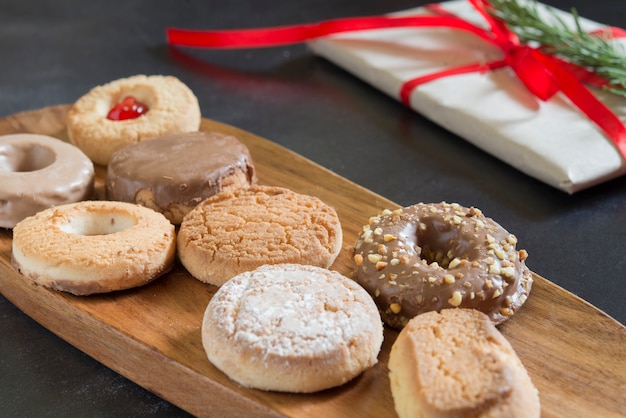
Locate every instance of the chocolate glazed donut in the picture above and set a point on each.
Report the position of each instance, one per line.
(429, 257)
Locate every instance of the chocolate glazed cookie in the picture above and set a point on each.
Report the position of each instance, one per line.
(173, 173)
(429, 257)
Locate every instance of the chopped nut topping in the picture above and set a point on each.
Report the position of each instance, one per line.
(368, 236)
(449, 279)
(395, 308)
(512, 256)
(500, 254)
(523, 255)
(382, 249)
(432, 279)
(381, 265)
(358, 259)
(378, 231)
(497, 293)
(377, 292)
(494, 269)
(507, 271)
(393, 276)
(454, 263)
(456, 298)
(475, 211)
(374, 258)
(386, 212)
(388, 237)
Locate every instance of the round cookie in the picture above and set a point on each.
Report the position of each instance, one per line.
(291, 328)
(456, 364)
(428, 257)
(170, 107)
(94, 247)
(173, 173)
(237, 231)
(38, 172)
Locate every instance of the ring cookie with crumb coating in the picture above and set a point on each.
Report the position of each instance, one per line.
(429, 257)
(38, 172)
(94, 247)
(173, 173)
(169, 107)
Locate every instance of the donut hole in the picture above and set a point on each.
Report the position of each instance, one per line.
(16, 158)
(442, 242)
(99, 224)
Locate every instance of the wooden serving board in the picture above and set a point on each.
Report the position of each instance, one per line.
(575, 353)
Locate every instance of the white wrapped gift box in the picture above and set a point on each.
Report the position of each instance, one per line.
(549, 140)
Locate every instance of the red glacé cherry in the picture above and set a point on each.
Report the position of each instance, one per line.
(129, 108)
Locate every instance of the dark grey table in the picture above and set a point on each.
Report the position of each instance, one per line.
(53, 52)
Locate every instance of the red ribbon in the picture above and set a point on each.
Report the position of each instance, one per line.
(544, 75)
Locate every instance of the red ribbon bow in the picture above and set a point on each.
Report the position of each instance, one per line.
(544, 75)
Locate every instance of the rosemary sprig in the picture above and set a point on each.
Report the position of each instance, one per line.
(596, 51)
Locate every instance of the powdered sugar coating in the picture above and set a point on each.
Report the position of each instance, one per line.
(305, 327)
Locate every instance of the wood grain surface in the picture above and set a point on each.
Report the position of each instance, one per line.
(575, 353)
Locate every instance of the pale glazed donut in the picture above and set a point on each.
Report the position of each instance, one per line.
(38, 172)
(429, 257)
(172, 108)
(292, 328)
(94, 247)
(457, 364)
(173, 173)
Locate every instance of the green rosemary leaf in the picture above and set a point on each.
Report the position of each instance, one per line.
(596, 52)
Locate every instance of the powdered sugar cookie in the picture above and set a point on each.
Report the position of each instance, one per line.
(292, 328)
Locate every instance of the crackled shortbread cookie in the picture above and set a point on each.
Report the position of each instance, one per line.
(457, 364)
(237, 231)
